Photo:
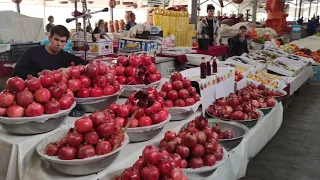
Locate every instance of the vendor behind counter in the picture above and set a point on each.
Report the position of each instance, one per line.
(48, 57)
(131, 23)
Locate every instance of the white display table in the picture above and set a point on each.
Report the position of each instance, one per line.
(297, 81)
(234, 167)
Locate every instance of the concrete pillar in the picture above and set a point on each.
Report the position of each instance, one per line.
(194, 17)
(299, 14)
(254, 11)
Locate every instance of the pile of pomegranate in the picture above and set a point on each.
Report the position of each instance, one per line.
(242, 104)
(227, 134)
(195, 146)
(155, 114)
(91, 136)
(238, 76)
(154, 164)
(179, 92)
(127, 66)
(93, 80)
(35, 96)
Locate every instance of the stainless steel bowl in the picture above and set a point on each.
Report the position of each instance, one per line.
(267, 110)
(238, 130)
(249, 123)
(129, 89)
(180, 114)
(30, 128)
(283, 94)
(126, 93)
(100, 105)
(77, 166)
(37, 127)
(140, 134)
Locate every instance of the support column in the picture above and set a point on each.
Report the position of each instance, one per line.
(295, 11)
(309, 10)
(254, 11)
(299, 14)
(111, 14)
(18, 7)
(317, 8)
(194, 6)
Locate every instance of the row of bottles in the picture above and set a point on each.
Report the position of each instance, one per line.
(205, 68)
(169, 20)
(115, 26)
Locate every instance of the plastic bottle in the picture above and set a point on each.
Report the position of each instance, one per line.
(203, 68)
(208, 68)
(214, 66)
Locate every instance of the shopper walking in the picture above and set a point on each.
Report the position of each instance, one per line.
(50, 24)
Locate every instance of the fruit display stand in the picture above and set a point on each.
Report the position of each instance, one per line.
(233, 168)
(296, 82)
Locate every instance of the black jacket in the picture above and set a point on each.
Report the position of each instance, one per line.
(236, 47)
(36, 59)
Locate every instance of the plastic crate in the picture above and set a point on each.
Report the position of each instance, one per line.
(16, 51)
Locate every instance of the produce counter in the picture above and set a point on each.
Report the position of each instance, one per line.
(296, 82)
(234, 168)
(212, 51)
(310, 42)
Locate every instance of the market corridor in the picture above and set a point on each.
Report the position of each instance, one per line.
(294, 152)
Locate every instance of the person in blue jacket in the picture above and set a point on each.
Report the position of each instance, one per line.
(311, 27)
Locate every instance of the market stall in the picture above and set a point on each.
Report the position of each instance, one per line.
(133, 103)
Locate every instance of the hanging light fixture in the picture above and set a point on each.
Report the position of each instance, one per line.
(17, 1)
(90, 2)
(112, 3)
(63, 2)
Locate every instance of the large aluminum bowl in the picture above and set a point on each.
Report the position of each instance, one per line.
(35, 125)
(93, 104)
(181, 113)
(140, 134)
(283, 94)
(249, 123)
(238, 130)
(192, 174)
(268, 109)
(77, 166)
(129, 89)
(204, 172)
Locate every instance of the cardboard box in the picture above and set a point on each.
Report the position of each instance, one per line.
(98, 49)
(149, 46)
(101, 48)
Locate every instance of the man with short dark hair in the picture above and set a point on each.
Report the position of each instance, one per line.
(131, 23)
(238, 43)
(213, 26)
(51, 57)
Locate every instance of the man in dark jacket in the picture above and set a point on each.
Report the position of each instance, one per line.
(50, 57)
(238, 43)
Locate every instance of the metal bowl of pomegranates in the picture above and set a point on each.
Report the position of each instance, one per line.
(35, 125)
(77, 167)
(181, 113)
(205, 171)
(94, 104)
(266, 110)
(230, 133)
(283, 94)
(129, 89)
(247, 122)
(140, 134)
